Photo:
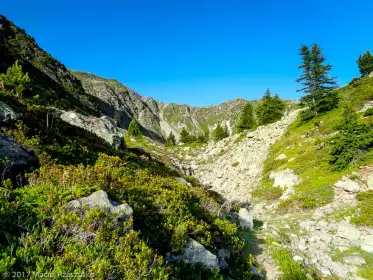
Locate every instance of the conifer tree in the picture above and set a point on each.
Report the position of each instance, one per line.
(184, 136)
(270, 108)
(365, 63)
(219, 133)
(134, 130)
(318, 88)
(171, 140)
(14, 79)
(246, 120)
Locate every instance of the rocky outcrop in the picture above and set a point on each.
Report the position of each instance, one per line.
(7, 114)
(195, 252)
(101, 200)
(15, 161)
(103, 127)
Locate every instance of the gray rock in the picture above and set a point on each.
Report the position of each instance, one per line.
(7, 114)
(284, 178)
(103, 127)
(348, 185)
(354, 260)
(339, 269)
(367, 244)
(256, 271)
(281, 157)
(370, 75)
(100, 199)
(245, 218)
(183, 181)
(325, 271)
(298, 258)
(195, 252)
(16, 160)
(289, 192)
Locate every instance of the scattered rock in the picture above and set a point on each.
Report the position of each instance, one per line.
(354, 260)
(325, 271)
(339, 269)
(348, 185)
(284, 178)
(183, 181)
(7, 114)
(100, 199)
(289, 192)
(195, 252)
(281, 157)
(16, 161)
(367, 244)
(245, 218)
(256, 271)
(298, 258)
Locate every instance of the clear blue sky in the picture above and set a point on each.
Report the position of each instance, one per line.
(198, 52)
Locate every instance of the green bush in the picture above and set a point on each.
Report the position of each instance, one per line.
(368, 112)
(171, 140)
(364, 214)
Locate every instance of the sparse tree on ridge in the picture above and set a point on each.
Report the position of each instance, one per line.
(246, 120)
(318, 87)
(365, 63)
(270, 109)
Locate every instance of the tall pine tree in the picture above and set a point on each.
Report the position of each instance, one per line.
(318, 88)
(247, 118)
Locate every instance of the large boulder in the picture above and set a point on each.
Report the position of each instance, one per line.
(15, 161)
(101, 200)
(370, 75)
(284, 178)
(195, 252)
(7, 114)
(104, 127)
(245, 218)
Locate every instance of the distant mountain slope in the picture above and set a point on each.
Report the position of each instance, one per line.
(51, 81)
(156, 118)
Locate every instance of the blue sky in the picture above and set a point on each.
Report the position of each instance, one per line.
(198, 52)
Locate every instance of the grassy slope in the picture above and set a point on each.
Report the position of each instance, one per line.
(307, 145)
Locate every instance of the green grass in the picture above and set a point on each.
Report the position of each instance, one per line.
(364, 215)
(234, 164)
(282, 257)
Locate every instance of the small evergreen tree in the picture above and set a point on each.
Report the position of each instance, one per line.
(134, 130)
(171, 140)
(219, 133)
(184, 136)
(270, 109)
(318, 88)
(246, 120)
(365, 63)
(353, 139)
(15, 80)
